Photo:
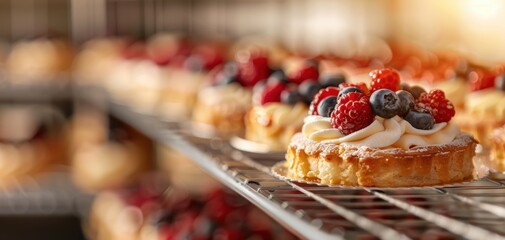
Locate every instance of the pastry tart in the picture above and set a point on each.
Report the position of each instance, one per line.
(386, 139)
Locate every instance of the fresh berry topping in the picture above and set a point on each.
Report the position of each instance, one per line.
(322, 94)
(347, 90)
(252, 68)
(362, 86)
(277, 75)
(231, 68)
(407, 102)
(385, 103)
(385, 78)
(481, 80)
(332, 80)
(308, 90)
(290, 97)
(416, 91)
(353, 113)
(499, 82)
(326, 107)
(440, 108)
(308, 71)
(420, 120)
(272, 93)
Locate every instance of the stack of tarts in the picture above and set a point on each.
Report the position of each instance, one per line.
(382, 136)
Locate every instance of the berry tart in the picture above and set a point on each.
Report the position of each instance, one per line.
(381, 137)
(221, 106)
(281, 103)
(484, 105)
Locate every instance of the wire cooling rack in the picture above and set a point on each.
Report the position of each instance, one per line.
(469, 211)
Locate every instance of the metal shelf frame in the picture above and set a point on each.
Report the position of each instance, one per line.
(469, 211)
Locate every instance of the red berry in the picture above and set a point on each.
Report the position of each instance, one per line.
(253, 69)
(272, 93)
(440, 107)
(481, 80)
(322, 94)
(385, 78)
(307, 72)
(362, 86)
(353, 113)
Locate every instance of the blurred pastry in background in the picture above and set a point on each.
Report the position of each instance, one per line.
(96, 59)
(222, 104)
(497, 149)
(183, 77)
(282, 102)
(32, 137)
(107, 157)
(39, 59)
(148, 213)
(484, 105)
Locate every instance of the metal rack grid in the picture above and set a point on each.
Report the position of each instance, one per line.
(473, 211)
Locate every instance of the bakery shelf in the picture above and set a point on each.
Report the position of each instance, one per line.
(51, 193)
(474, 211)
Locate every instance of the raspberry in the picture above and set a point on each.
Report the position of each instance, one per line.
(435, 102)
(353, 113)
(481, 80)
(253, 69)
(272, 93)
(308, 72)
(362, 86)
(322, 94)
(385, 78)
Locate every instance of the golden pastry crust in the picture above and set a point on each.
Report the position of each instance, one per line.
(343, 165)
(265, 128)
(497, 146)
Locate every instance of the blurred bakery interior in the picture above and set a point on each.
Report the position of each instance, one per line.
(131, 119)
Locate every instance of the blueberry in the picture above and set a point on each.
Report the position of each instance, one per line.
(231, 68)
(405, 86)
(326, 106)
(385, 103)
(416, 91)
(308, 90)
(348, 90)
(420, 120)
(331, 80)
(499, 82)
(407, 102)
(225, 79)
(277, 75)
(290, 97)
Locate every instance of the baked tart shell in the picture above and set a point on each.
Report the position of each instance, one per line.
(340, 164)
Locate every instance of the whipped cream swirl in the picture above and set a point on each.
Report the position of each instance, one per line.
(382, 133)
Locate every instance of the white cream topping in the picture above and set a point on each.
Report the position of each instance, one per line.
(381, 133)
